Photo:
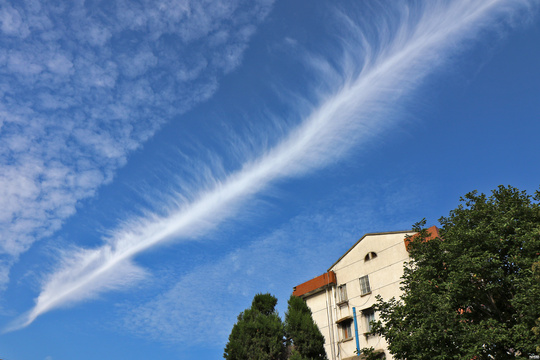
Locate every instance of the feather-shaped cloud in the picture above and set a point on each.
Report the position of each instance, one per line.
(375, 72)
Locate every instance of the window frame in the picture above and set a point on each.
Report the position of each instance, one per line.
(342, 294)
(369, 316)
(365, 286)
(370, 256)
(347, 329)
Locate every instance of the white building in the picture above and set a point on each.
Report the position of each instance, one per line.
(341, 300)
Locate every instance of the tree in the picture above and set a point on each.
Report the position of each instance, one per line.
(471, 293)
(307, 340)
(536, 329)
(258, 334)
(295, 355)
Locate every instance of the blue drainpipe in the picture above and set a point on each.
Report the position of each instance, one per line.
(356, 331)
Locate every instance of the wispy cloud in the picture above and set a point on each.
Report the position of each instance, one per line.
(384, 59)
(189, 309)
(84, 85)
(200, 306)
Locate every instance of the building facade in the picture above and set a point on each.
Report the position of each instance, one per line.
(342, 299)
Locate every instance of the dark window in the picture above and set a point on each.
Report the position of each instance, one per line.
(346, 330)
(369, 316)
(370, 255)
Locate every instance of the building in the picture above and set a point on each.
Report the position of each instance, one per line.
(342, 299)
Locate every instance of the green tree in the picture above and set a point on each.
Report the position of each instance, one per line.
(258, 334)
(536, 329)
(307, 340)
(470, 294)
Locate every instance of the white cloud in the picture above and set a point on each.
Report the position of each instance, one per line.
(197, 307)
(23, 63)
(407, 46)
(60, 64)
(12, 23)
(80, 90)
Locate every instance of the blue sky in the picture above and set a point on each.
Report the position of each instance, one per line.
(161, 162)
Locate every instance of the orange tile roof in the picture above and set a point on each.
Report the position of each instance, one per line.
(311, 286)
(433, 232)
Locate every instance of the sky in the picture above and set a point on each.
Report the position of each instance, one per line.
(161, 162)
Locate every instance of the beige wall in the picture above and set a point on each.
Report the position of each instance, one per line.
(321, 313)
(384, 274)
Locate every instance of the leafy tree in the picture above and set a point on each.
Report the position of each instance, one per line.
(258, 334)
(370, 354)
(536, 329)
(470, 294)
(307, 340)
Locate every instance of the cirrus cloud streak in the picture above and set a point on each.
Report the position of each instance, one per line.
(375, 72)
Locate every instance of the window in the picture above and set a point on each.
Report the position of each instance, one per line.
(369, 316)
(370, 255)
(346, 330)
(364, 285)
(342, 293)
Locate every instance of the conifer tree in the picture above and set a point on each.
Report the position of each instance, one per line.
(258, 334)
(295, 355)
(300, 328)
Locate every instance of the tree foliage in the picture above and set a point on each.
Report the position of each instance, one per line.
(536, 329)
(470, 294)
(307, 340)
(258, 334)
